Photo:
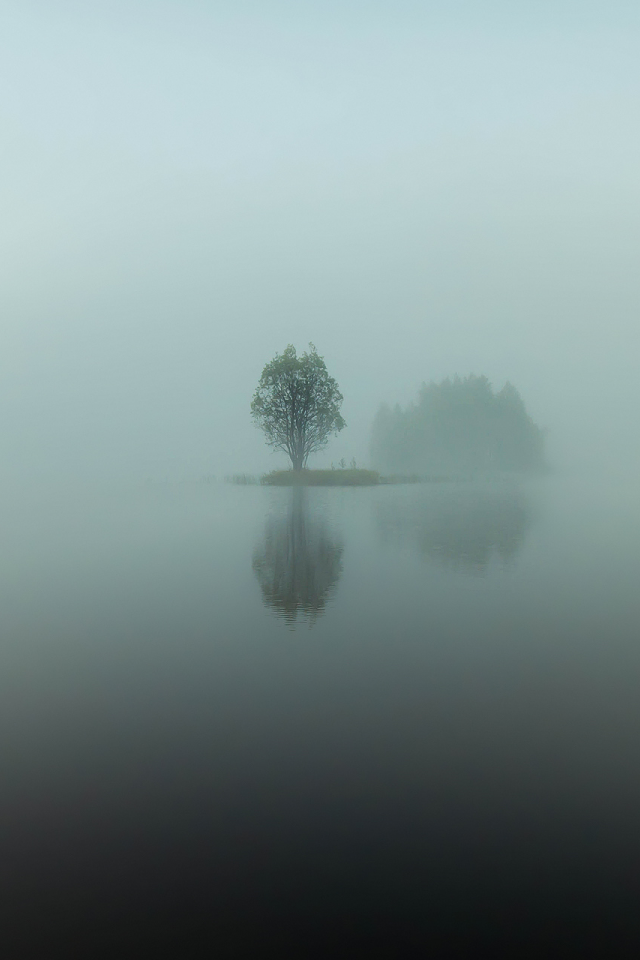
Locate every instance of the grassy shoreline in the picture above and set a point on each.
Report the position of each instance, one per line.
(321, 478)
(351, 478)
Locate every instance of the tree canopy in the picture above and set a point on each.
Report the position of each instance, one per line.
(458, 426)
(297, 404)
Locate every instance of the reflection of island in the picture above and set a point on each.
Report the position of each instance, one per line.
(298, 563)
(461, 526)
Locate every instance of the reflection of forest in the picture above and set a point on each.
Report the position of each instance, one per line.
(458, 525)
(298, 563)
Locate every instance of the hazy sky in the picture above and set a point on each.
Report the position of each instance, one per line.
(421, 189)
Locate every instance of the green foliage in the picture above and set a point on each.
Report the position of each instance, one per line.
(458, 427)
(297, 404)
(321, 478)
(242, 479)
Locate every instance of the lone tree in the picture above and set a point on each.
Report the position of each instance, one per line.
(297, 404)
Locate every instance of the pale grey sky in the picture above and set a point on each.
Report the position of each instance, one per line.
(418, 188)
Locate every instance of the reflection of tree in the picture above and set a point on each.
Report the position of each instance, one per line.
(298, 563)
(459, 526)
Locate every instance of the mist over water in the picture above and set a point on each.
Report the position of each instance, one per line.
(381, 715)
(308, 721)
(464, 526)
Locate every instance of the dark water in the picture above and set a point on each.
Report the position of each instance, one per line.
(320, 721)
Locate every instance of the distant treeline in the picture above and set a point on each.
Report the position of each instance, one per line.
(459, 426)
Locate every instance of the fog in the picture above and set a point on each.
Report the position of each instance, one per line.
(339, 714)
(419, 189)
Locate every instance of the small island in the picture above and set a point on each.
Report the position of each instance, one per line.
(459, 429)
(321, 478)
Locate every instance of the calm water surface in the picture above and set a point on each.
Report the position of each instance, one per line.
(321, 718)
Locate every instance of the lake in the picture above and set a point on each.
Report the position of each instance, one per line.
(321, 719)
